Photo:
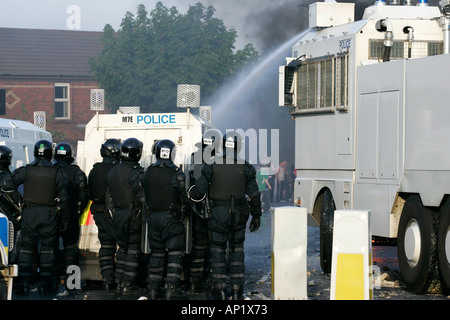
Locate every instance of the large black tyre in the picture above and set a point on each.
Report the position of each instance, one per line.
(326, 202)
(417, 246)
(444, 245)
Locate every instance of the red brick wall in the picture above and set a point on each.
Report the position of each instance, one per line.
(23, 97)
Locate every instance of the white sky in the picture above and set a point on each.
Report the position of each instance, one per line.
(95, 14)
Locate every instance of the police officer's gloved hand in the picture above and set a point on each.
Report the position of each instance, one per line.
(254, 224)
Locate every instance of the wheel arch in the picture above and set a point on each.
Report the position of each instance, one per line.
(318, 194)
(399, 203)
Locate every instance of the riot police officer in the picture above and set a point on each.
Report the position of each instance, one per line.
(199, 256)
(44, 201)
(5, 162)
(77, 190)
(165, 196)
(8, 201)
(127, 200)
(97, 182)
(228, 180)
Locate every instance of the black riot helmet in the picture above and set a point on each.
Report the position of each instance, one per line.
(131, 150)
(211, 137)
(5, 156)
(154, 146)
(110, 148)
(165, 150)
(63, 151)
(43, 149)
(232, 140)
(211, 142)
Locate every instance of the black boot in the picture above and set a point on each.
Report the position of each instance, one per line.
(131, 288)
(172, 292)
(22, 288)
(236, 294)
(154, 292)
(109, 284)
(47, 288)
(197, 286)
(218, 295)
(119, 286)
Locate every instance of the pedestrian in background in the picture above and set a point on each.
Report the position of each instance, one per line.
(263, 186)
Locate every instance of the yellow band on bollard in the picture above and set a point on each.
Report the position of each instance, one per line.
(349, 273)
(351, 265)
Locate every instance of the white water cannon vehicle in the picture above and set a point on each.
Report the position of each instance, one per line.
(185, 129)
(370, 103)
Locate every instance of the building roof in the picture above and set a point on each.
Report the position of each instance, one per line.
(34, 52)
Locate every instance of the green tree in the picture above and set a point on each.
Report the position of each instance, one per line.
(143, 62)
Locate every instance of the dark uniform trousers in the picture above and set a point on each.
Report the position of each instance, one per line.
(221, 232)
(198, 259)
(78, 192)
(98, 184)
(42, 223)
(127, 227)
(200, 246)
(70, 237)
(167, 239)
(107, 238)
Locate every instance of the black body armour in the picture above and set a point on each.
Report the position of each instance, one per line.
(98, 181)
(227, 180)
(40, 185)
(120, 190)
(160, 188)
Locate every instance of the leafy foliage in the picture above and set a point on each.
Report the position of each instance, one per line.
(143, 62)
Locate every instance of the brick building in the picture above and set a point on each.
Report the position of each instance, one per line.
(48, 71)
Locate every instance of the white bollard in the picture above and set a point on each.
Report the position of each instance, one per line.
(289, 253)
(351, 266)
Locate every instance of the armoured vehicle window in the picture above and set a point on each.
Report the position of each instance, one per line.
(322, 84)
(399, 50)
